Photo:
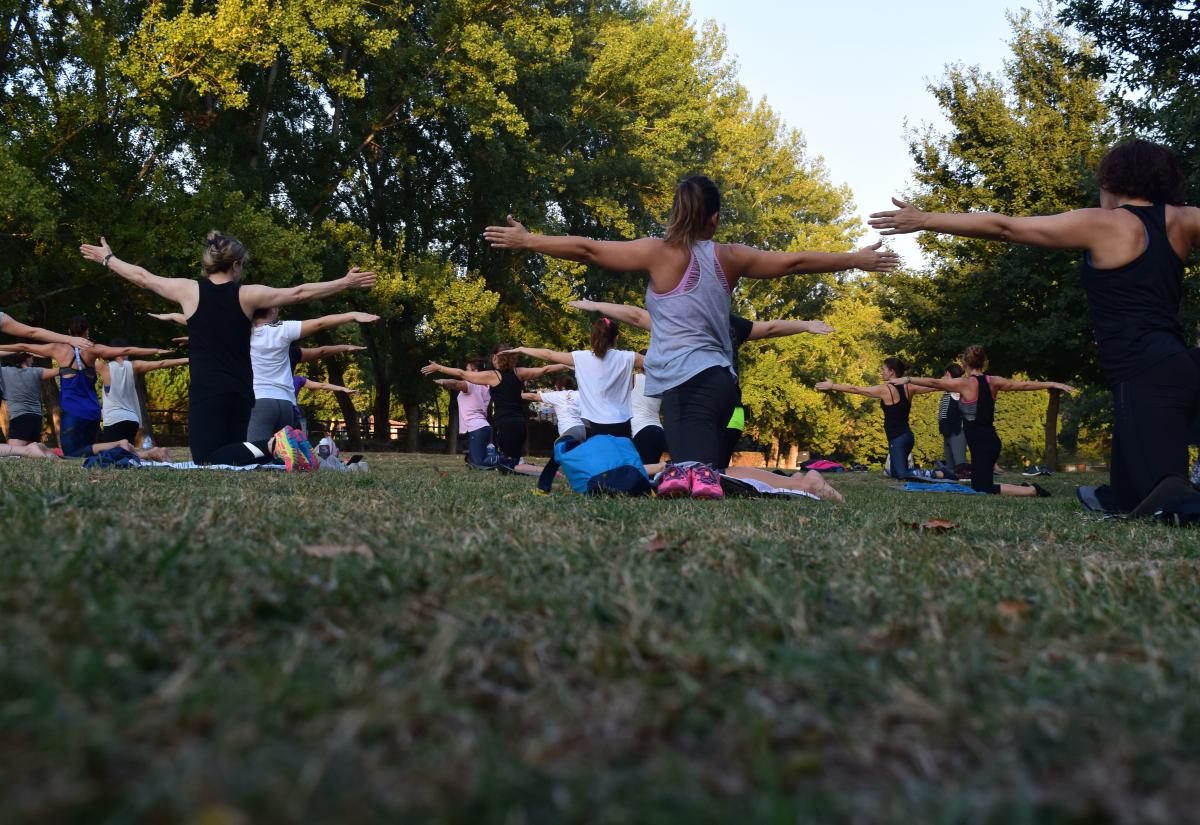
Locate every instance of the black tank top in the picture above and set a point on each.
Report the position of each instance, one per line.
(506, 396)
(895, 416)
(1135, 308)
(219, 343)
(985, 406)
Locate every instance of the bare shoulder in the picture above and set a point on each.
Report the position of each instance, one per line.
(1187, 218)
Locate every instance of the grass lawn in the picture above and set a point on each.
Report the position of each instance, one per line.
(424, 641)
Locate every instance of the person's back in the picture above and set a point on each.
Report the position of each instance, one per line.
(690, 323)
(506, 396)
(896, 414)
(219, 344)
(23, 391)
(270, 362)
(472, 408)
(568, 413)
(77, 389)
(645, 408)
(120, 395)
(605, 385)
(1135, 307)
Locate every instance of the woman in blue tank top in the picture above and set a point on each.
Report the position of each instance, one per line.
(689, 362)
(1134, 247)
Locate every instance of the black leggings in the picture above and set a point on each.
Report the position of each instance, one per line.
(695, 414)
(216, 421)
(510, 439)
(622, 430)
(650, 443)
(127, 430)
(985, 449)
(1152, 414)
(241, 454)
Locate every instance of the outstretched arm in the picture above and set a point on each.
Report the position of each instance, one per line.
(313, 353)
(490, 378)
(553, 356)
(780, 329)
(626, 314)
(944, 384)
(165, 364)
(531, 396)
(746, 261)
(172, 317)
(451, 384)
(183, 291)
(102, 351)
(1078, 229)
(330, 321)
(877, 391)
(43, 350)
(321, 385)
(13, 327)
(621, 256)
(257, 296)
(530, 373)
(1009, 385)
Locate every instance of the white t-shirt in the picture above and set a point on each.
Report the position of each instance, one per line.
(566, 408)
(604, 385)
(269, 356)
(645, 409)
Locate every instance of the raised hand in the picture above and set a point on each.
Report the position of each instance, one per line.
(586, 306)
(95, 253)
(823, 386)
(819, 328)
(507, 237)
(513, 351)
(364, 318)
(431, 368)
(358, 279)
(906, 218)
(874, 258)
(82, 343)
(182, 340)
(1067, 388)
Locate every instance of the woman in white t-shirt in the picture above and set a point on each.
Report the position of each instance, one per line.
(564, 400)
(274, 390)
(605, 377)
(648, 435)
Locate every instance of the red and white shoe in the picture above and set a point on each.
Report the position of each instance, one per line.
(676, 482)
(706, 482)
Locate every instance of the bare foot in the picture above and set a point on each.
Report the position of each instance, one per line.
(154, 454)
(821, 487)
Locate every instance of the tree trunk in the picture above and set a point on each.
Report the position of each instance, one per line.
(262, 115)
(1051, 456)
(452, 426)
(336, 372)
(381, 408)
(50, 400)
(773, 454)
(793, 456)
(139, 386)
(412, 422)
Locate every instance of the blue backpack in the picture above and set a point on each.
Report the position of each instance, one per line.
(603, 465)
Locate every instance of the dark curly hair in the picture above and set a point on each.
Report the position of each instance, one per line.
(1145, 170)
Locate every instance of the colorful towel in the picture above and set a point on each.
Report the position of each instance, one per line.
(940, 487)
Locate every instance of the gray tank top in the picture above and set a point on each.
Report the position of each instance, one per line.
(23, 390)
(120, 396)
(689, 325)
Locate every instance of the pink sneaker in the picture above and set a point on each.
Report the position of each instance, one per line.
(706, 482)
(675, 481)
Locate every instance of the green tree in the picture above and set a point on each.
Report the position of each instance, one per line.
(1026, 142)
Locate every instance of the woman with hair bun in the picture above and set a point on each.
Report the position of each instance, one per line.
(218, 309)
(1134, 247)
(897, 405)
(689, 362)
(977, 399)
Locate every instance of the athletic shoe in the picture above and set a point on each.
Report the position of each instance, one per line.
(706, 482)
(286, 449)
(1041, 491)
(675, 481)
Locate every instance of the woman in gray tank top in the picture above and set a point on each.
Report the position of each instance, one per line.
(689, 362)
(23, 394)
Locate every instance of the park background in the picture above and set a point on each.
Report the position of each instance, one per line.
(388, 135)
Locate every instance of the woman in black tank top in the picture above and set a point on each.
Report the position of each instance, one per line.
(218, 311)
(977, 400)
(1133, 249)
(897, 405)
(507, 382)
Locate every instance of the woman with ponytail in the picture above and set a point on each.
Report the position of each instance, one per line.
(689, 363)
(604, 376)
(977, 399)
(897, 404)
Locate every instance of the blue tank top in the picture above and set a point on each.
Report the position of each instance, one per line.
(77, 389)
(690, 324)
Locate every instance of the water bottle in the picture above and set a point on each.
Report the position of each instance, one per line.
(492, 455)
(323, 449)
(147, 442)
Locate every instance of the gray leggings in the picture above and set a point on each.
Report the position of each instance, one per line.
(269, 416)
(955, 449)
